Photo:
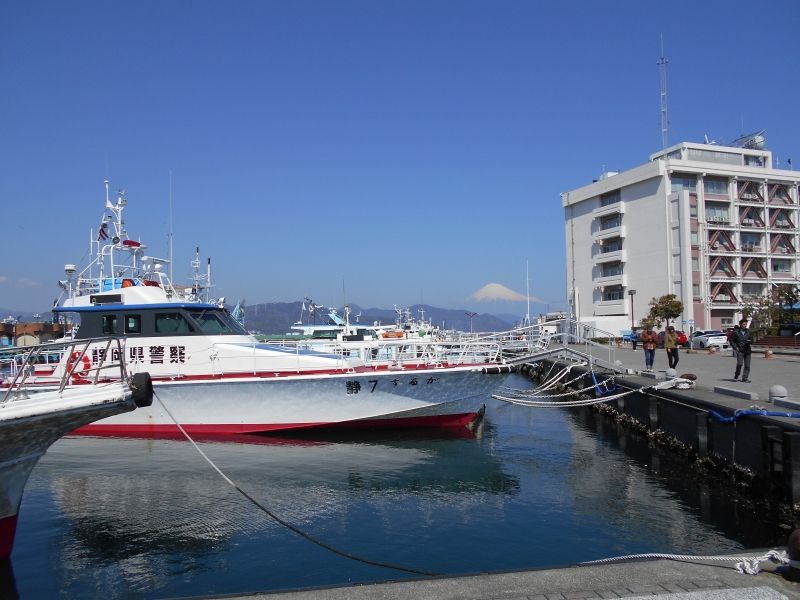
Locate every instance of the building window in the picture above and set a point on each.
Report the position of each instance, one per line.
(612, 269)
(751, 242)
(715, 186)
(684, 182)
(610, 198)
(613, 293)
(696, 290)
(781, 265)
(695, 263)
(726, 321)
(612, 245)
(752, 289)
(693, 211)
(695, 240)
(610, 222)
(717, 213)
(753, 161)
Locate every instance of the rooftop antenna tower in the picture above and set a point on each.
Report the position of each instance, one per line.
(662, 68)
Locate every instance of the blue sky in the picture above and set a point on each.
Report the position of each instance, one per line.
(395, 152)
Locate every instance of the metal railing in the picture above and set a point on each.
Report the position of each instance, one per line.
(74, 367)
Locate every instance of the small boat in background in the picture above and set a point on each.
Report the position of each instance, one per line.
(33, 417)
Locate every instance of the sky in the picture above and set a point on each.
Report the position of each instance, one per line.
(373, 152)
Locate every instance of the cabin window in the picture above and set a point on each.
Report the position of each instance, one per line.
(216, 321)
(109, 324)
(133, 323)
(172, 323)
(210, 322)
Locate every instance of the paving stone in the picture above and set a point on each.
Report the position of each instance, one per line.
(646, 589)
(708, 584)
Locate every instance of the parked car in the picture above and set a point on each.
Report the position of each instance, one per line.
(705, 338)
(683, 340)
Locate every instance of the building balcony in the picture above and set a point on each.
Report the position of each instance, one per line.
(610, 307)
(611, 209)
(615, 256)
(718, 221)
(611, 232)
(611, 280)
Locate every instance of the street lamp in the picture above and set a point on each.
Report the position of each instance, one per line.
(470, 314)
(631, 293)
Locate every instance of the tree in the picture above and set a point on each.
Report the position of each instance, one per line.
(760, 310)
(787, 296)
(665, 308)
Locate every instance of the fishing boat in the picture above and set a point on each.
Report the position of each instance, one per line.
(213, 377)
(32, 418)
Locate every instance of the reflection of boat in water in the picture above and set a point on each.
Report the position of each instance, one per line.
(31, 422)
(149, 497)
(215, 378)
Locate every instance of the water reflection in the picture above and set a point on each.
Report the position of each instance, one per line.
(714, 502)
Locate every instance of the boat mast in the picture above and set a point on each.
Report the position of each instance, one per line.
(527, 295)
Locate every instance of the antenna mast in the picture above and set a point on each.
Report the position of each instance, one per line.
(662, 67)
(170, 227)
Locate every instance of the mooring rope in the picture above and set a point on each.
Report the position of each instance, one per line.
(670, 383)
(281, 521)
(750, 565)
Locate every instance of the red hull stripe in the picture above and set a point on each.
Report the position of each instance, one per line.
(8, 527)
(441, 421)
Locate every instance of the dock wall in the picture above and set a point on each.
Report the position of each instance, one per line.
(766, 448)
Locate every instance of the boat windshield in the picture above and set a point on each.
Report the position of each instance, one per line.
(217, 321)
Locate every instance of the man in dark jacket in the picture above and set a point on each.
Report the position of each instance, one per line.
(740, 340)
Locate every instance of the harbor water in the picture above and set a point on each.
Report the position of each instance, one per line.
(143, 518)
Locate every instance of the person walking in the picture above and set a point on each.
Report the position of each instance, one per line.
(634, 337)
(671, 346)
(741, 341)
(649, 341)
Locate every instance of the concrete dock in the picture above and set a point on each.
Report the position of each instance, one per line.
(665, 579)
(717, 369)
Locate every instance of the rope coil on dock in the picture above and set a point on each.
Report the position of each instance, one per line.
(750, 565)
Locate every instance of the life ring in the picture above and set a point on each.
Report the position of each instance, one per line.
(72, 366)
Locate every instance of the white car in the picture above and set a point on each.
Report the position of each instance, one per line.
(705, 338)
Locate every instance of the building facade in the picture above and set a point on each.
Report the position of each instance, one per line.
(714, 225)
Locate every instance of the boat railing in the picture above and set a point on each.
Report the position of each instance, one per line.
(78, 365)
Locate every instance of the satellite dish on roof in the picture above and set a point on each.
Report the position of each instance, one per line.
(753, 141)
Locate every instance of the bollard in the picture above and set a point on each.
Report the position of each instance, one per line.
(778, 394)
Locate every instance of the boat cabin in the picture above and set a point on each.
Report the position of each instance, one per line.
(153, 320)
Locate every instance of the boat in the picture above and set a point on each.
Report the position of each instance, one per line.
(32, 419)
(213, 377)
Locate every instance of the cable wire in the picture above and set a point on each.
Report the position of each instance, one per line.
(284, 523)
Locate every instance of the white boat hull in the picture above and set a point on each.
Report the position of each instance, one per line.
(428, 397)
(30, 425)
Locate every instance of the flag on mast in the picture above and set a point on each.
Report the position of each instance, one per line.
(102, 233)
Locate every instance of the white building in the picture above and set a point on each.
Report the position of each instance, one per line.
(711, 224)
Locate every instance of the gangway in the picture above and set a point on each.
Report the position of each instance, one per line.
(565, 339)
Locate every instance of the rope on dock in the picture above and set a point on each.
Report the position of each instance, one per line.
(281, 521)
(750, 565)
(743, 412)
(542, 402)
